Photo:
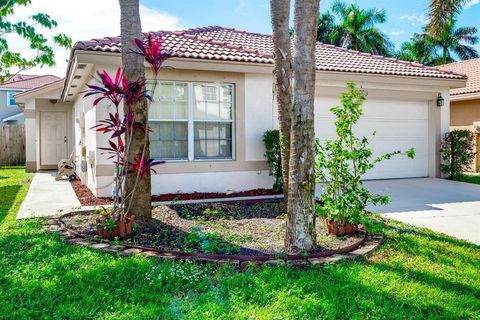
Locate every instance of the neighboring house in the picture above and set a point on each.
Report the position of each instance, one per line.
(465, 102)
(216, 100)
(10, 113)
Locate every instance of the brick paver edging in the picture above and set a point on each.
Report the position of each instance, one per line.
(363, 247)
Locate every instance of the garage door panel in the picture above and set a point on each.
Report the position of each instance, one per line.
(398, 125)
(401, 111)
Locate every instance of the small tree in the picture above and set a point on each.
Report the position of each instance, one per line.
(457, 150)
(341, 163)
(28, 31)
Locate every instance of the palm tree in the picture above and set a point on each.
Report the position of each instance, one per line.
(326, 24)
(134, 69)
(357, 29)
(281, 36)
(440, 11)
(452, 41)
(418, 49)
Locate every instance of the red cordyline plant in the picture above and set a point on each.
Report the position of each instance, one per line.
(153, 51)
(121, 128)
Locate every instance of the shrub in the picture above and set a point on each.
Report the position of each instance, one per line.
(341, 163)
(457, 152)
(271, 139)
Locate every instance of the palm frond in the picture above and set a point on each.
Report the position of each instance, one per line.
(440, 11)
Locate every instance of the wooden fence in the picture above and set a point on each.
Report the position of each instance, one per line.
(12, 145)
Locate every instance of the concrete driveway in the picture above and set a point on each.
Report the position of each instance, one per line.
(441, 205)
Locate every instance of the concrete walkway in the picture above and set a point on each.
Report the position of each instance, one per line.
(47, 197)
(445, 206)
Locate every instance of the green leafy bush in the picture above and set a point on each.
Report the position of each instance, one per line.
(457, 151)
(271, 139)
(341, 163)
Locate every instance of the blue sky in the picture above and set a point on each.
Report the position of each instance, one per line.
(404, 17)
(81, 22)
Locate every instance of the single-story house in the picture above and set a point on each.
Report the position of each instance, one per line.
(465, 102)
(216, 99)
(10, 113)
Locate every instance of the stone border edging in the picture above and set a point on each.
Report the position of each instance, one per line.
(365, 246)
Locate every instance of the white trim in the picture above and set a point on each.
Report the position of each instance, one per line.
(25, 95)
(466, 96)
(14, 117)
(191, 121)
(113, 58)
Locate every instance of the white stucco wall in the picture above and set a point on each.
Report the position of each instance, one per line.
(259, 115)
(402, 112)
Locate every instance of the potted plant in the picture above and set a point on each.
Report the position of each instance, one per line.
(340, 165)
(115, 90)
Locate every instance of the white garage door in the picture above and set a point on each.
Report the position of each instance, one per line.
(399, 125)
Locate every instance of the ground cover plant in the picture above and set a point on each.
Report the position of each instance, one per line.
(470, 178)
(245, 227)
(417, 274)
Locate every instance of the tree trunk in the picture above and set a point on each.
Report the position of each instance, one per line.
(134, 69)
(280, 11)
(300, 233)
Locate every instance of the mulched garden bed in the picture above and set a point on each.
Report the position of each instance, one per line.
(86, 197)
(236, 228)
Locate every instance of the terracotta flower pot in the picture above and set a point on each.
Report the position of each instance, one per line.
(128, 226)
(341, 229)
(99, 231)
(122, 228)
(105, 233)
(114, 232)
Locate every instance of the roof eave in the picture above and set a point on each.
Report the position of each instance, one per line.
(465, 96)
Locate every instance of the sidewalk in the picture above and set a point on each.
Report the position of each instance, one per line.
(47, 197)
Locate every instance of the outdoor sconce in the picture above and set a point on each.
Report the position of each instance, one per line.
(440, 100)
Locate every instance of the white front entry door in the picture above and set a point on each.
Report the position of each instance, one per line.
(53, 137)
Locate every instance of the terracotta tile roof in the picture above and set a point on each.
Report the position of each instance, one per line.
(219, 43)
(27, 82)
(471, 68)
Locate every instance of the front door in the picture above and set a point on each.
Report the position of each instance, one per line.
(53, 137)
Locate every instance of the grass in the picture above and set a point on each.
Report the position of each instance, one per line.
(417, 274)
(470, 178)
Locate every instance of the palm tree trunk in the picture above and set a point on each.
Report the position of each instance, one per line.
(134, 69)
(280, 11)
(300, 231)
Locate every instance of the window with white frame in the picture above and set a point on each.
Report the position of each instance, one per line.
(11, 99)
(192, 121)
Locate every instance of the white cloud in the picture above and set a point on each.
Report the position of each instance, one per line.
(397, 33)
(84, 20)
(415, 19)
(471, 3)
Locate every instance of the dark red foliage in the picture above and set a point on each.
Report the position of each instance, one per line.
(142, 164)
(135, 91)
(153, 51)
(111, 90)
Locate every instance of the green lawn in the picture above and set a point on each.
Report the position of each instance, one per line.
(417, 274)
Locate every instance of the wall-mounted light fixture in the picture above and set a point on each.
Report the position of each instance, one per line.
(440, 100)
